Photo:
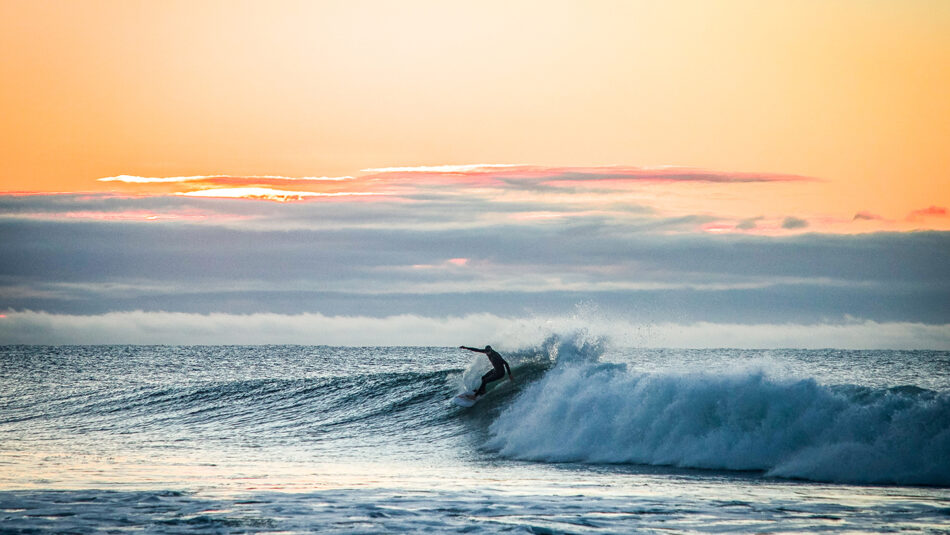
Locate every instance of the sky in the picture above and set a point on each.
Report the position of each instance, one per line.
(672, 174)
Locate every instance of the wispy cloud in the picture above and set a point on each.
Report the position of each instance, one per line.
(662, 199)
(791, 223)
(481, 193)
(866, 216)
(452, 169)
(271, 194)
(748, 224)
(130, 179)
(256, 187)
(578, 189)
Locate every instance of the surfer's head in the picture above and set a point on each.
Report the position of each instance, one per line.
(487, 348)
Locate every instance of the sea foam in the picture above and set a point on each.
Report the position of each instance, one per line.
(606, 413)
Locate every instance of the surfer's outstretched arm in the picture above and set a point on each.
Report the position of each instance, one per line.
(477, 350)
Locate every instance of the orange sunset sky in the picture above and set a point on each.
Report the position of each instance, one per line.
(850, 95)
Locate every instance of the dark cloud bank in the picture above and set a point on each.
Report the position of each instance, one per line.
(95, 267)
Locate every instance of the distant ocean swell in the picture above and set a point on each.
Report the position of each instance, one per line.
(261, 411)
(602, 413)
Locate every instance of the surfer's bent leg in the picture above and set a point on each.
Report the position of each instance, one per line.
(494, 375)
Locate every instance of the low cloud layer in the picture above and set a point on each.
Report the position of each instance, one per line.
(506, 333)
(643, 271)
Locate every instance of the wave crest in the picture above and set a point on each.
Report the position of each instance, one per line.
(603, 413)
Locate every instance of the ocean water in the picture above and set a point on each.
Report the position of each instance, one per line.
(587, 438)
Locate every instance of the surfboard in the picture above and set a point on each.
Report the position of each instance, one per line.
(465, 400)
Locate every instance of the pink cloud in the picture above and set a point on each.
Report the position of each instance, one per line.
(572, 176)
(930, 211)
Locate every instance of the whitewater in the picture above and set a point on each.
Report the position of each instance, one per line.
(587, 438)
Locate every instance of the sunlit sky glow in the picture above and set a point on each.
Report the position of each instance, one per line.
(669, 191)
(682, 161)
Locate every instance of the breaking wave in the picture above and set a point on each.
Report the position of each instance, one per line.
(605, 413)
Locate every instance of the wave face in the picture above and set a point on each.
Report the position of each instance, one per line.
(603, 413)
(339, 414)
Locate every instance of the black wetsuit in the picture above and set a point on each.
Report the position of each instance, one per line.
(499, 366)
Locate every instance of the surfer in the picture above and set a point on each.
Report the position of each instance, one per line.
(499, 366)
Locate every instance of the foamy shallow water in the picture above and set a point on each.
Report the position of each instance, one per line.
(485, 497)
(503, 497)
(363, 440)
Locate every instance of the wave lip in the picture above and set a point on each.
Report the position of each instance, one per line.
(786, 428)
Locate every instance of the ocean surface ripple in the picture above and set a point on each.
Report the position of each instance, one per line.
(587, 438)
